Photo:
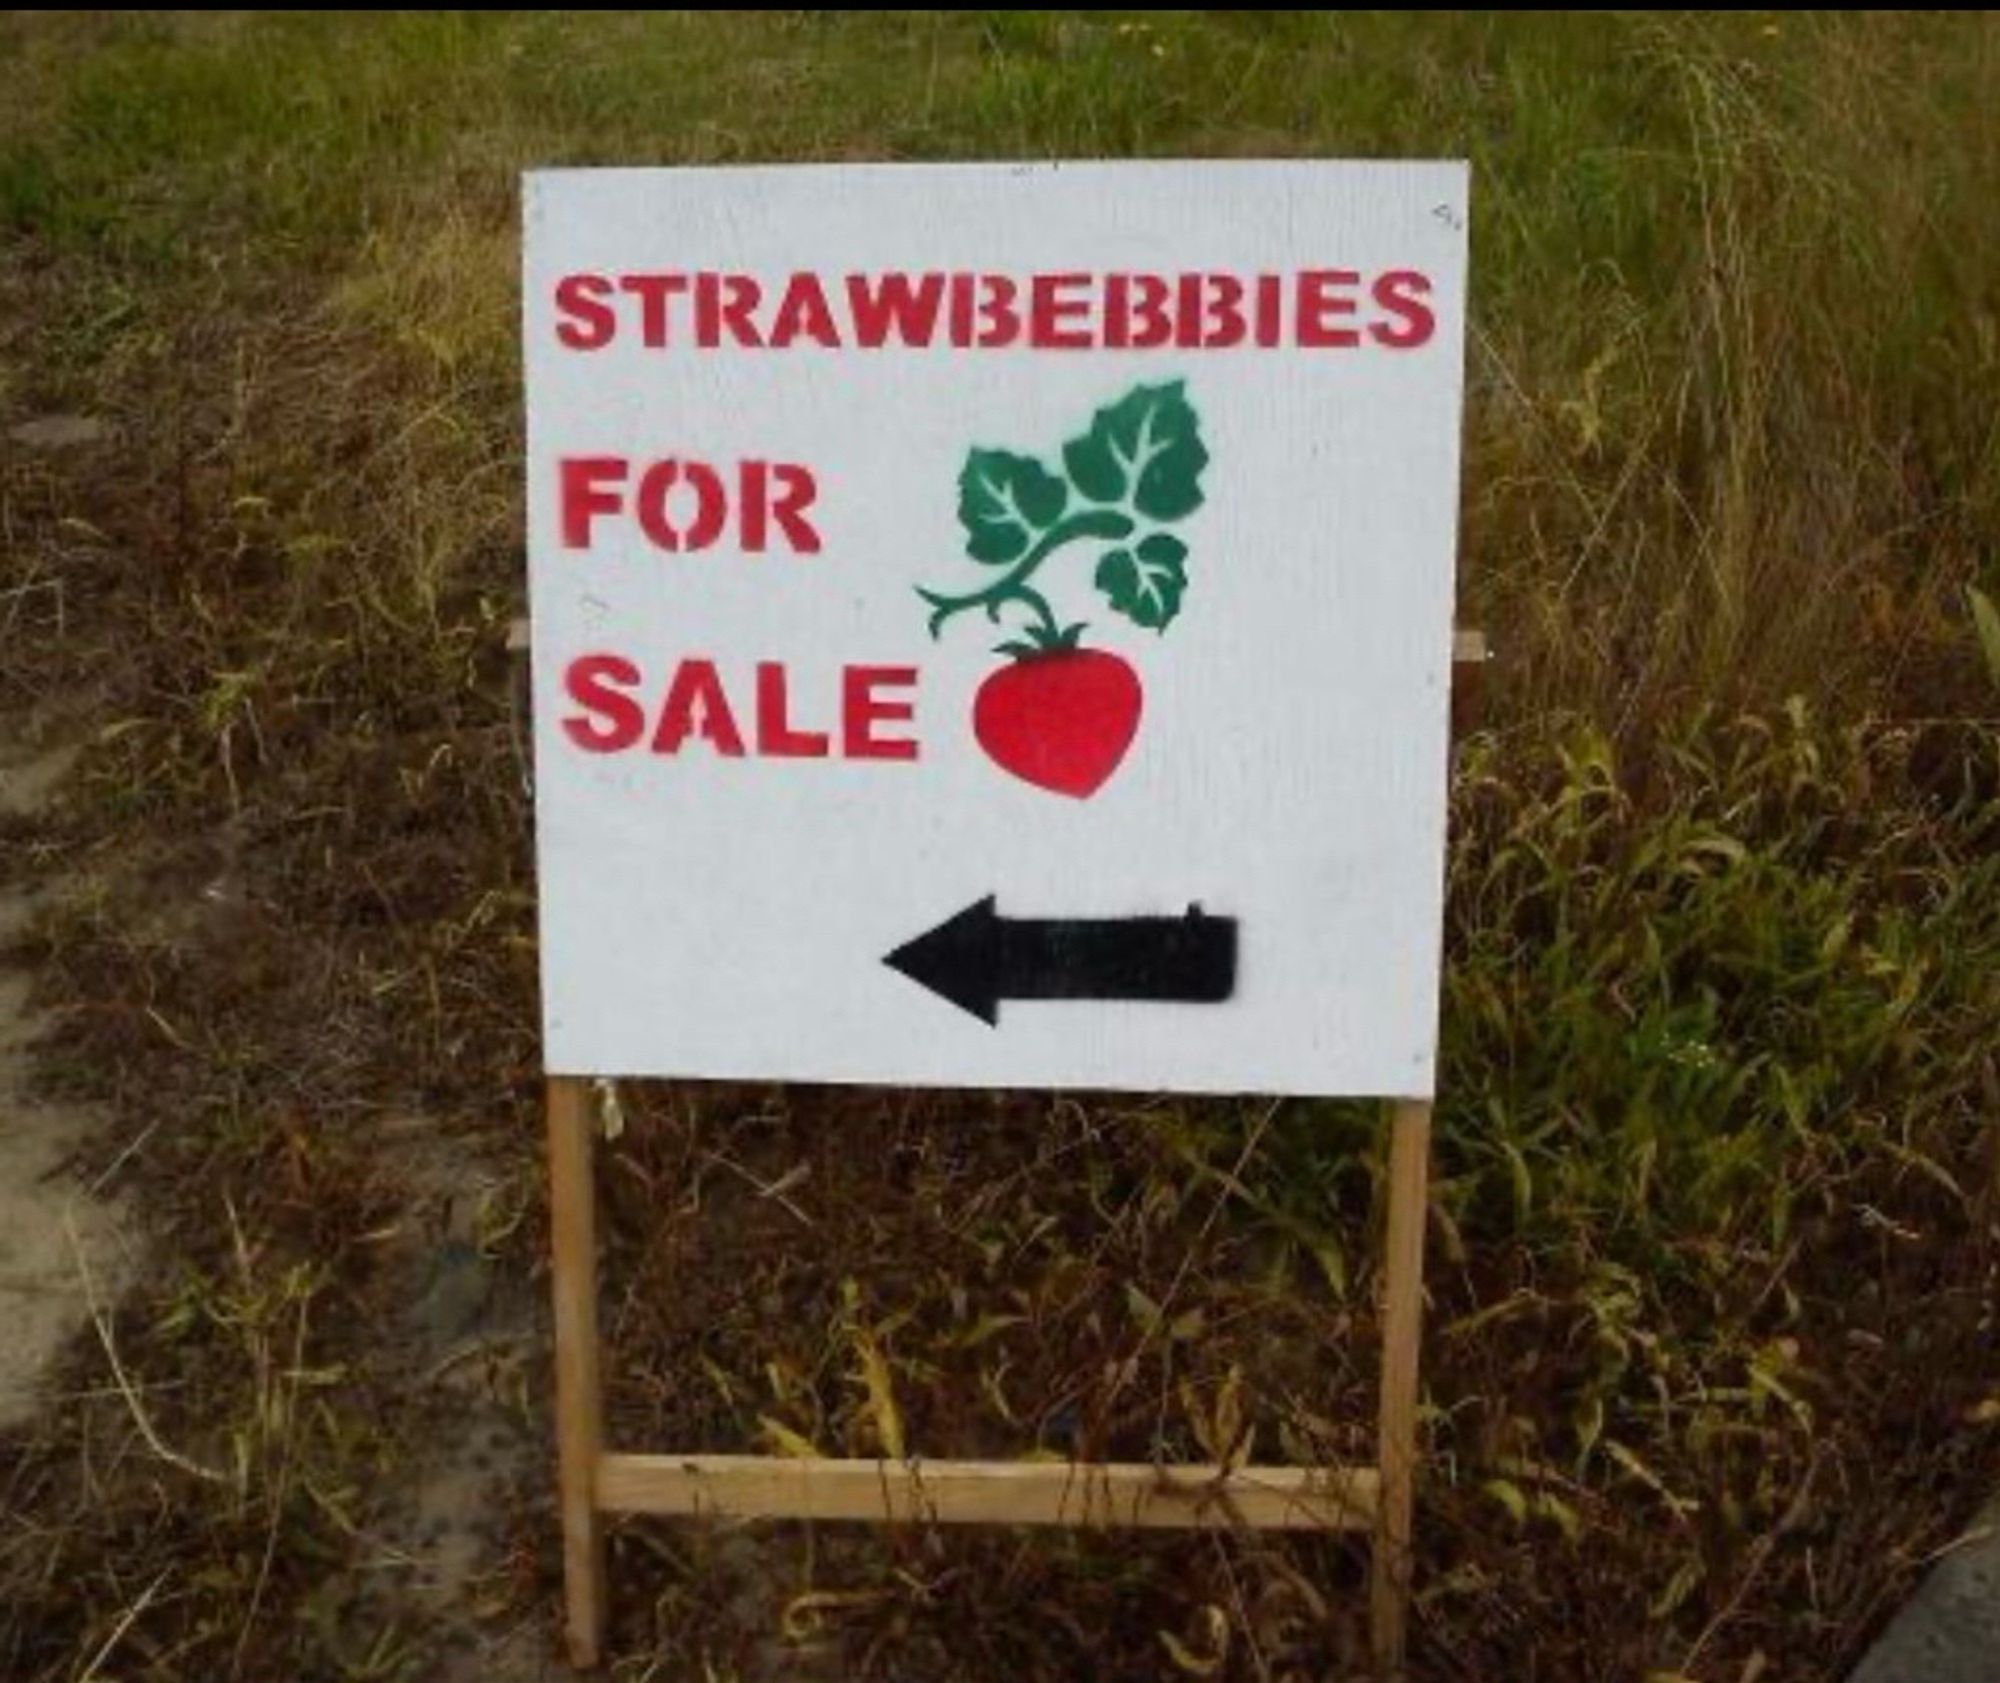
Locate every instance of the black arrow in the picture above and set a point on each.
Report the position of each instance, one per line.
(978, 958)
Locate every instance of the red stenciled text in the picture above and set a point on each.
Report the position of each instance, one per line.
(688, 506)
(707, 310)
(613, 706)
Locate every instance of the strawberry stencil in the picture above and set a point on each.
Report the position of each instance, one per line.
(1060, 715)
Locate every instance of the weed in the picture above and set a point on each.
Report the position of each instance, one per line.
(1714, 1220)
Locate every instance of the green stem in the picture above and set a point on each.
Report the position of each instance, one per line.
(1048, 631)
(1013, 585)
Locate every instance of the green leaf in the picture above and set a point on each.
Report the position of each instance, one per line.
(1686, 1579)
(1144, 1311)
(1560, 1514)
(786, 1441)
(1986, 621)
(881, 1389)
(1144, 450)
(987, 1326)
(1215, 1626)
(1145, 582)
(1510, 1496)
(1006, 502)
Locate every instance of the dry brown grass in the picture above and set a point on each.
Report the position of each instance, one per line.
(1715, 1220)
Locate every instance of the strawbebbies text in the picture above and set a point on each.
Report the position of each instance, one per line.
(709, 310)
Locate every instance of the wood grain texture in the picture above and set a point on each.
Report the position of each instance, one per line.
(573, 1242)
(991, 1492)
(1402, 1322)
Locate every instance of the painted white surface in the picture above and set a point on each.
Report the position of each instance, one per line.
(708, 917)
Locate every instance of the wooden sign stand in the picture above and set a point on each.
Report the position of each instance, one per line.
(595, 1481)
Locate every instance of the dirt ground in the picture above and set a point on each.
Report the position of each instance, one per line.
(71, 1246)
(63, 1244)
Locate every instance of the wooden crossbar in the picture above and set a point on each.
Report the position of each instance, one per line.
(1115, 1494)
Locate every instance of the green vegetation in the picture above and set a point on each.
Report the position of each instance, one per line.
(1710, 1369)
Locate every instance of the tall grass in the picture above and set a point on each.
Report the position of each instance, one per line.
(1714, 1220)
(1733, 342)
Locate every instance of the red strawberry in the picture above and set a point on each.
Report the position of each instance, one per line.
(1060, 720)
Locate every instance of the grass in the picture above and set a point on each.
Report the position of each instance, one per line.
(1710, 1365)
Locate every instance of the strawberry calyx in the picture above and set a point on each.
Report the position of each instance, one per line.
(1038, 642)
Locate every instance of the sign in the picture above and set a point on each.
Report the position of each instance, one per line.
(992, 624)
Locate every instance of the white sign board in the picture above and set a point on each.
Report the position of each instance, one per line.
(992, 624)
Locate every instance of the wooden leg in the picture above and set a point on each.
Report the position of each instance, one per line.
(1402, 1321)
(579, 1406)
